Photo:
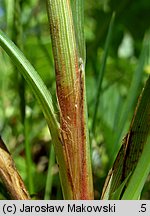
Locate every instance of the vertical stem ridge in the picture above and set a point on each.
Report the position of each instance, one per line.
(71, 98)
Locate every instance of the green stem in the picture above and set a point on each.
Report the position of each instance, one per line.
(69, 68)
(28, 157)
(49, 180)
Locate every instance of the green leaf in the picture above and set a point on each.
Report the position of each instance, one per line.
(132, 148)
(44, 98)
(117, 194)
(132, 93)
(32, 78)
(102, 69)
(137, 181)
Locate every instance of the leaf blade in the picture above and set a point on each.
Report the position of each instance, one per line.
(44, 98)
(133, 145)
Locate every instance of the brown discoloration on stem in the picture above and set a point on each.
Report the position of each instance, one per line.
(83, 135)
(73, 132)
(10, 176)
(71, 98)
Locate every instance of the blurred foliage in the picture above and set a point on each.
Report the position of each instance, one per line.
(131, 23)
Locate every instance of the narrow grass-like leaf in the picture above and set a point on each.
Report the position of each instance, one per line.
(132, 146)
(9, 15)
(31, 77)
(137, 181)
(17, 38)
(44, 98)
(102, 70)
(132, 94)
(117, 194)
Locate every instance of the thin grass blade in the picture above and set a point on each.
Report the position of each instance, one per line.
(132, 94)
(44, 98)
(138, 179)
(102, 70)
(132, 148)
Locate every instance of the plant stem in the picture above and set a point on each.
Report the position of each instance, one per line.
(49, 180)
(69, 68)
(10, 176)
(29, 165)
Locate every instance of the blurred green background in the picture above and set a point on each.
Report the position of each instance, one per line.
(27, 25)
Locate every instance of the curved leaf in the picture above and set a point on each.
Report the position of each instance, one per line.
(43, 96)
(32, 78)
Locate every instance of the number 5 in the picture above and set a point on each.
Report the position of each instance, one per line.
(143, 207)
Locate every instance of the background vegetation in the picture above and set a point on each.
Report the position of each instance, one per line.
(123, 73)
